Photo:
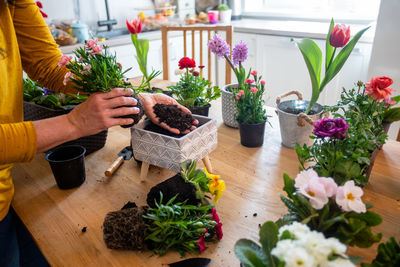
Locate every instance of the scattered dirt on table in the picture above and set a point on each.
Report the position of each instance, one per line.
(173, 116)
(169, 188)
(124, 229)
(84, 229)
(255, 215)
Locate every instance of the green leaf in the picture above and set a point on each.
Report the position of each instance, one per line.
(289, 187)
(340, 59)
(268, 236)
(313, 57)
(250, 254)
(392, 115)
(328, 47)
(371, 218)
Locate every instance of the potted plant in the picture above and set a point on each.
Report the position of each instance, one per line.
(221, 49)
(96, 70)
(291, 245)
(346, 146)
(294, 113)
(135, 27)
(42, 103)
(251, 112)
(388, 254)
(225, 13)
(192, 90)
(334, 210)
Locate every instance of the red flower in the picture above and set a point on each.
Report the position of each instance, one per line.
(196, 73)
(119, 65)
(215, 216)
(262, 82)
(201, 67)
(134, 26)
(340, 35)
(378, 88)
(202, 244)
(249, 81)
(254, 72)
(186, 62)
(39, 4)
(218, 231)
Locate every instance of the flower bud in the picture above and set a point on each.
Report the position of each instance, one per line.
(340, 35)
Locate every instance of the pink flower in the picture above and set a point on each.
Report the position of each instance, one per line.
(97, 49)
(249, 81)
(390, 102)
(340, 35)
(262, 82)
(86, 69)
(254, 90)
(202, 244)
(254, 73)
(91, 43)
(215, 216)
(241, 92)
(315, 192)
(348, 197)
(67, 77)
(218, 231)
(304, 177)
(64, 60)
(135, 26)
(237, 97)
(329, 185)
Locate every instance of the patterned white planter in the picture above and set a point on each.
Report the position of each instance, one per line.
(168, 152)
(228, 107)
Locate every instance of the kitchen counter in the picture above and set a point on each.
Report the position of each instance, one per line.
(297, 29)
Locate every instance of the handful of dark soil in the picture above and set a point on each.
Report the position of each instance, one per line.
(125, 229)
(173, 116)
(169, 188)
(136, 117)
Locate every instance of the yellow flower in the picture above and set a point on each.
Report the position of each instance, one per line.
(215, 185)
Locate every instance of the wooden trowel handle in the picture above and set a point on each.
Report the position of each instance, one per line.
(110, 171)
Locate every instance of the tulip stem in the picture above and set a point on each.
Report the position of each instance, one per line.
(330, 61)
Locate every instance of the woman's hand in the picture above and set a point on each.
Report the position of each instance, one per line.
(101, 111)
(148, 102)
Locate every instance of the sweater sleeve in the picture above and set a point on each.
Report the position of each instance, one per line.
(18, 142)
(39, 52)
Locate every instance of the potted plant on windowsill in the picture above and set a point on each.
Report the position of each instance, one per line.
(42, 103)
(251, 112)
(294, 114)
(225, 14)
(192, 90)
(239, 53)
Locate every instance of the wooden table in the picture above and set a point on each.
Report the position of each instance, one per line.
(253, 179)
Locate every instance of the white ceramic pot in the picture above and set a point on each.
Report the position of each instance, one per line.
(225, 16)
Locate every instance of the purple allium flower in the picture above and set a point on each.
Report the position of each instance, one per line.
(335, 128)
(47, 91)
(239, 52)
(219, 46)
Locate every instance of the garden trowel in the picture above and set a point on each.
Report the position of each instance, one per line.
(124, 154)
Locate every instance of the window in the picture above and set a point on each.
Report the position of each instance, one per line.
(343, 10)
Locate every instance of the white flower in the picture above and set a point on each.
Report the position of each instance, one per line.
(315, 191)
(298, 256)
(282, 247)
(348, 197)
(339, 262)
(304, 177)
(296, 228)
(335, 246)
(316, 246)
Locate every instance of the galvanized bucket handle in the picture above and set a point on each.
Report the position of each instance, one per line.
(294, 92)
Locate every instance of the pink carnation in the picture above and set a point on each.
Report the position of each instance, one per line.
(67, 77)
(262, 82)
(254, 90)
(97, 49)
(202, 244)
(86, 69)
(249, 81)
(254, 73)
(64, 60)
(91, 43)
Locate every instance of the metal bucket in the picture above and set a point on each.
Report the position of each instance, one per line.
(296, 126)
(229, 107)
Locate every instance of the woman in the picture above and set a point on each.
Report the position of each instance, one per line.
(26, 44)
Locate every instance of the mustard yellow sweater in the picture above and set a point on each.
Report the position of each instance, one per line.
(25, 44)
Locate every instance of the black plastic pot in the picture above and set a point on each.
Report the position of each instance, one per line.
(68, 165)
(252, 135)
(202, 111)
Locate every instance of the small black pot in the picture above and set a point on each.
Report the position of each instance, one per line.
(252, 135)
(68, 165)
(202, 111)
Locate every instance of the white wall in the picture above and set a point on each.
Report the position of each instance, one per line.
(93, 10)
(385, 56)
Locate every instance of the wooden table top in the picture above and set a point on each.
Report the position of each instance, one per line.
(253, 179)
